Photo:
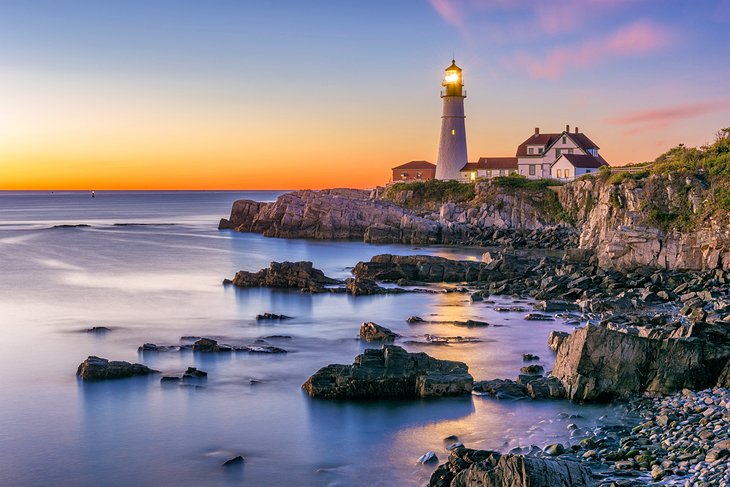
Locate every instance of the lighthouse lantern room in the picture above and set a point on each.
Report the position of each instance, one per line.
(452, 144)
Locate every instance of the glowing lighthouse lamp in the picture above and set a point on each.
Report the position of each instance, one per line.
(452, 145)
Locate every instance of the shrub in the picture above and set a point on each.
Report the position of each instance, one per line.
(433, 191)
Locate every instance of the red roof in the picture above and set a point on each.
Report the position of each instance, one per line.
(543, 140)
(584, 161)
(416, 165)
(492, 163)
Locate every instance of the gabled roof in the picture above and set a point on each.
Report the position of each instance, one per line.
(580, 139)
(583, 161)
(543, 140)
(490, 163)
(416, 165)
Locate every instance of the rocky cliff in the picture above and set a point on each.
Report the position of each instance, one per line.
(490, 216)
(656, 220)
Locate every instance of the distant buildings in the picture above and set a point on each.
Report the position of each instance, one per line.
(414, 171)
(563, 156)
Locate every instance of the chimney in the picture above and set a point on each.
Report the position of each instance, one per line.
(537, 130)
(576, 130)
(567, 128)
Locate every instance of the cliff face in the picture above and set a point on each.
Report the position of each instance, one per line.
(656, 221)
(490, 217)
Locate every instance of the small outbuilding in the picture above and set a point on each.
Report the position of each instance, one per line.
(414, 171)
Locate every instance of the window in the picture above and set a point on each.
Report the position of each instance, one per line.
(587, 171)
(530, 150)
(404, 175)
(565, 139)
(567, 173)
(570, 151)
(532, 169)
(453, 131)
(501, 172)
(489, 173)
(539, 150)
(557, 153)
(418, 175)
(559, 172)
(594, 152)
(473, 176)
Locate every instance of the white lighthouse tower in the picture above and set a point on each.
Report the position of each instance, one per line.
(452, 145)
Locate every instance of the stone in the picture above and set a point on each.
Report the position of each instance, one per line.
(596, 363)
(533, 369)
(272, 317)
(411, 320)
(372, 332)
(234, 462)
(360, 286)
(390, 372)
(483, 468)
(538, 317)
(96, 368)
(98, 330)
(556, 338)
(209, 345)
(428, 457)
(545, 388)
(292, 275)
(555, 449)
(194, 373)
(528, 357)
(500, 388)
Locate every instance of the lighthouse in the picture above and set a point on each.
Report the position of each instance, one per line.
(452, 145)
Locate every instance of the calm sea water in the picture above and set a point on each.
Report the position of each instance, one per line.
(159, 280)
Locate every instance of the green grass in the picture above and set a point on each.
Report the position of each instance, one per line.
(517, 181)
(432, 191)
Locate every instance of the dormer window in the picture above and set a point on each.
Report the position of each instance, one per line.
(530, 150)
(539, 150)
(593, 152)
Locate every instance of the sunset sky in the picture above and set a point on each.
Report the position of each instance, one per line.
(235, 94)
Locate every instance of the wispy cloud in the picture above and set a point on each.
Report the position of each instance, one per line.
(636, 39)
(660, 118)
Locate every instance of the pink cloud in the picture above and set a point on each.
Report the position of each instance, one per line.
(636, 39)
(663, 117)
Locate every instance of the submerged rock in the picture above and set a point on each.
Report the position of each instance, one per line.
(272, 317)
(292, 275)
(372, 332)
(233, 462)
(483, 468)
(596, 363)
(96, 368)
(428, 457)
(390, 372)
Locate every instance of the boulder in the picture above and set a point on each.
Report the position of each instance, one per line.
(96, 368)
(556, 338)
(372, 332)
(361, 286)
(500, 388)
(293, 275)
(595, 363)
(272, 317)
(390, 372)
(210, 345)
(483, 468)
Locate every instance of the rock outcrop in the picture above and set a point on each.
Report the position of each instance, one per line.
(390, 372)
(96, 368)
(483, 468)
(595, 363)
(491, 218)
(372, 332)
(293, 275)
(616, 223)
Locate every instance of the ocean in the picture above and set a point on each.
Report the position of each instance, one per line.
(150, 266)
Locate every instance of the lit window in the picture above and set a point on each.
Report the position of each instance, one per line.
(473, 176)
(567, 173)
(559, 172)
(453, 132)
